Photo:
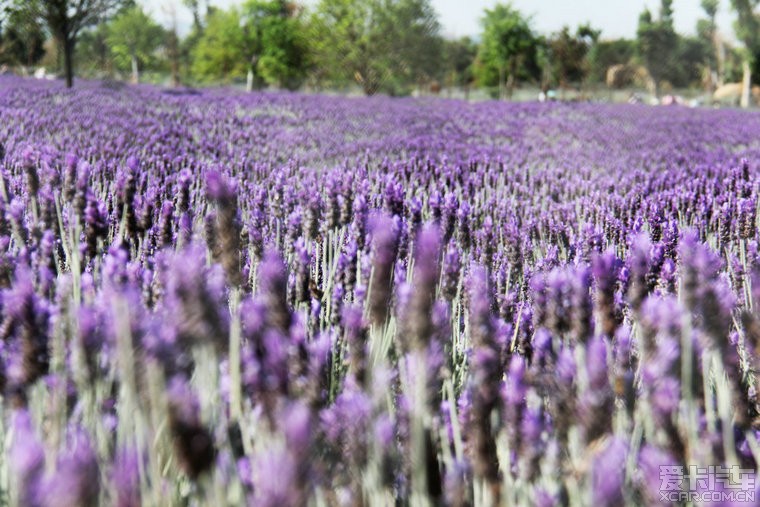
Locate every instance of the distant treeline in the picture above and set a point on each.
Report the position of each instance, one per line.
(382, 46)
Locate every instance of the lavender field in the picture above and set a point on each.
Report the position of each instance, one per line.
(219, 298)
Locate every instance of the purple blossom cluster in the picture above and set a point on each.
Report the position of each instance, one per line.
(220, 298)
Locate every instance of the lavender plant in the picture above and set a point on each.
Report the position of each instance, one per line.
(277, 299)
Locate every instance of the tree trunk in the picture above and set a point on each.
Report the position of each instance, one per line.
(68, 61)
(502, 83)
(511, 79)
(721, 63)
(135, 70)
(173, 47)
(175, 71)
(746, 83)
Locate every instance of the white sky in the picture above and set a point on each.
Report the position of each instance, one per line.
(616, 18)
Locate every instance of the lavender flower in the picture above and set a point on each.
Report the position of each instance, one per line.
(193, 444)
(76, 480)
(608, 474)
(227, 226)
(273, 290)
(384, 245)
(425, 280)
(485, 382)
(26, 460)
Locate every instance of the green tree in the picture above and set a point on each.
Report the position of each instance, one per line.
(747, 28)
(657, 43)
(173, 45)
(568, 53)
(691, 56)
(458, 59)
(185, 49)
(379, 44)
(606, 53)
(93, 54)
(197, 8)
(707, 30)
(416, 44)
(22, 39)
(65, 20)
(274, 38)
(509, 49)
(221, 49)
(133, 38)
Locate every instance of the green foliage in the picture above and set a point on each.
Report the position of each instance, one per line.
(747, 26)
(669, 57)
(692, 53)
(658, 43)
(133, 38)
(196, 8)
(274, 35)
(93, 53)
(568, 54)
(22, 39)
(221, 50)
(65, 20)
(383, 45)
(416, 41)
(605, 54)
(509, 50)
(711, 8)
(458, 58)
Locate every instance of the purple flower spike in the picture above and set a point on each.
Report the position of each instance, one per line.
(26, 459)
(608, 474)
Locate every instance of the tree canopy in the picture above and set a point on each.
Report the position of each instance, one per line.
(133, 38)
(509, 49)
(375, 42)
(568, 54)
(65, 19)
(382, 46)
(274, 37)
(221, 49)
(657, 42)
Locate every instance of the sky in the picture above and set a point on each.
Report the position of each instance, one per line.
(616, 18)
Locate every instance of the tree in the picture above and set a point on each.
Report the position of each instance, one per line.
(273, 32)
(189, 42)
(508, 50)
(93, 53)
(133, 37)
(65, 19)
(747, 28)
(690, 57)
(348, 43)
(379, 44)
(657, 43)
(706, 29)
(173, 51)
(196, 8)
(22, 39)
(606, 53)
(568, 54)
(458, 59)
(221, 50)
(416, 45)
